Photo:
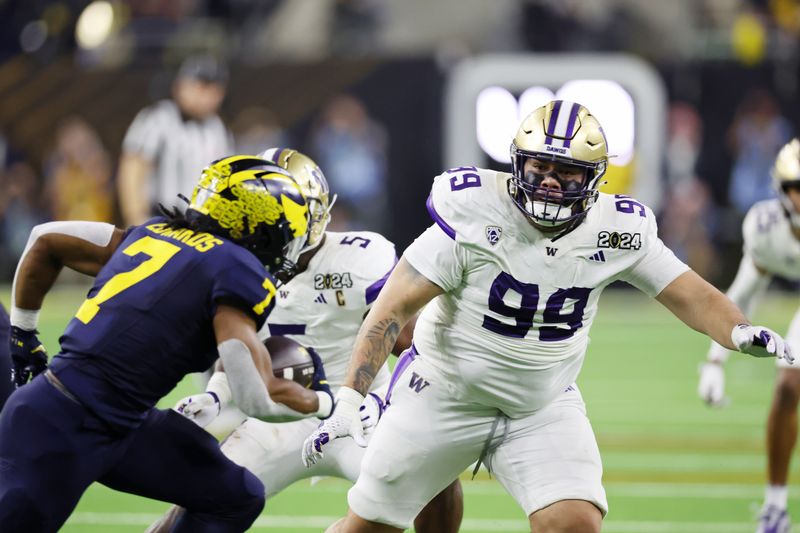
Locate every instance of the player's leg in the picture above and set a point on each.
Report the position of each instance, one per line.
(49, 454)
(781, 439)
(271, 452)
(424, 441)
(443, 513)
(170, 458)
(549, 462)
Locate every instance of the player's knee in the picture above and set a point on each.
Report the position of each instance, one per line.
(787, 390)
(572, 516)
(20, 512)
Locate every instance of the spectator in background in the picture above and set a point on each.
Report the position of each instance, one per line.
(689, 211)
(757, 133)
(171, 141)
(352, 148)
(20, 211)
(257, 127)
(78, 175)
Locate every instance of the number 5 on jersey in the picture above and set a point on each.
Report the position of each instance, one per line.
(159, 251)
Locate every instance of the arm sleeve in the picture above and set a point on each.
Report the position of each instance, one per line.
(245, 285)
(98, 233)
(658, 266)
(438, 257)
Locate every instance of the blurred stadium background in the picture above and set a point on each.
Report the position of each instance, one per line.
(696, 97)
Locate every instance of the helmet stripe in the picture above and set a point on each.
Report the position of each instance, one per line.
(551, 126)
(573, 116)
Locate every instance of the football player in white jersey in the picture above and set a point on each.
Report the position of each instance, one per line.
(339, 276)
(771, 232)
(511, 272)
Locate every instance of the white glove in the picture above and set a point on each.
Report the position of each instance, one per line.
(711, 388)
(200, 408)
(345, 421)
(371, 411)
(759, 341)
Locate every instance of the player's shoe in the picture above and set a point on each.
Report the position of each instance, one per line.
(773, 520)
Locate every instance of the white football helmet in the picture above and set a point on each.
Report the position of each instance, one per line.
(786, 174)
(564, 133)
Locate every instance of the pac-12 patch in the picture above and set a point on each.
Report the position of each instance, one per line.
(493, 234)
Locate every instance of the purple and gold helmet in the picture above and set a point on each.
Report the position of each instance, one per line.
(560, 132)
(312, 182)
(785, 174)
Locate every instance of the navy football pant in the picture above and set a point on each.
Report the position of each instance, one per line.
(6, 386)
(52, 449)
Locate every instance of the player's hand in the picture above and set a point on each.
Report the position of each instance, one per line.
(28, 356)
(201, 408)
(319, 381)
(759, 341)
(371, 411)
(711, 388)
(345, 421)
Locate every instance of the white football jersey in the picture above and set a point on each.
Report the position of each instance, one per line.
(769, 241)
(512, 328)
(323, 307)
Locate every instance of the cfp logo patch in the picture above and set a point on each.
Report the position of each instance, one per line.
(493, 234)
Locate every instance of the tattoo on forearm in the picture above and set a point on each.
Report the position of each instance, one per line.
(380, 339)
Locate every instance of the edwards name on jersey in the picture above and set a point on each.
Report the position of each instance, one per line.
(514, 321)
(157, 295)
(325, 305)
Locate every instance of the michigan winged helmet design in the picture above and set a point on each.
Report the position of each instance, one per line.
(785, 174)
(312, 182)
(563, 133)
(255, 204)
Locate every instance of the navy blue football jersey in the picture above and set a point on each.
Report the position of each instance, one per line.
(147, 321)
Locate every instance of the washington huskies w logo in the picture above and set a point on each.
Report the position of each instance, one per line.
(551, 251)
(417, 382)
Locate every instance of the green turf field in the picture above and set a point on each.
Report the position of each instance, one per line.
(671, 464)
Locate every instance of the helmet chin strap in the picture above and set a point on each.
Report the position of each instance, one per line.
(791, 213)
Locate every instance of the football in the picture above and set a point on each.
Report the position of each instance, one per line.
(290, 360)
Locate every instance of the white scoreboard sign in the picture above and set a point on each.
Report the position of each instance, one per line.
(488, 96)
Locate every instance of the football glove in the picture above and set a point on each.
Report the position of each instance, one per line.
(759, 341)
(201, 408)
(343, 422)
(711, 388)
(371, 411)
(28, 355)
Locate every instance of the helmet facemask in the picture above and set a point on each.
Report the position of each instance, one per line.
(546, 205)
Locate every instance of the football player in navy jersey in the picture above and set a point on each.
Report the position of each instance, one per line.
(6, 378)
(169, 298)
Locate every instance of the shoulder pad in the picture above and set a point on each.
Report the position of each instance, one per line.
(463, 199)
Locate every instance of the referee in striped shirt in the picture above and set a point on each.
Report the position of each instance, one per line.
(170, 142)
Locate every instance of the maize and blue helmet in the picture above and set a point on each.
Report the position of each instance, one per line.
(255, 204)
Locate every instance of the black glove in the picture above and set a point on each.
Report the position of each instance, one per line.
(319, 381)
(28, 356)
